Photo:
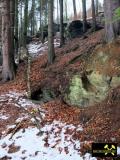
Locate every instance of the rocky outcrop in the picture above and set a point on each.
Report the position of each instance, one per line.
(101, 73)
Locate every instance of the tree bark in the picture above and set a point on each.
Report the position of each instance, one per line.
(33, 18)
(25, 22)
(8, 72)
(61, 24)
(93, 15)
(84, 16)
(41, 21)
(51, 52)
(96, 7)
(21, 27)
(74, 9)
(58, 12)
(16, 27)
(66, 14)
(12, 27)
(112, 28)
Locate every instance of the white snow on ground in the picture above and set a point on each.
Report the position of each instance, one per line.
(3, 117)
(36, 48)
(18, 99)
(32, 146)
(56, 142)
(118, 150)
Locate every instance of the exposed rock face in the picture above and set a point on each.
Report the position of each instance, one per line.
(75, 28)
(102, 72)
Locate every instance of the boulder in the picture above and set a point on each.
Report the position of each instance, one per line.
(75, 28)
(101, 74)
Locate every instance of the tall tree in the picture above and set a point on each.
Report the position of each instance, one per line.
(41, 20)
(61, 24)
(0, 29)
(8, 72)
(84, 15)
(96, 6)
(46, 12)
(74, 9)
(12, 28)
(33, 18)
(43, 17)
(57, 11)
(16, 27)
(112, 28)
(51, 52)
(21, 25)
(66, 14)
(25, 22)
(93, 15)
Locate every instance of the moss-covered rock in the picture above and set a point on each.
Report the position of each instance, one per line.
(102, 72)
(95, 92)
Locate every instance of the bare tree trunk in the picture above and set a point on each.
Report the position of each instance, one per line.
(96, 7)
(112, 28)
(8, 72)
(66, 14)
(0, 25)
(12, 27)
(40, 14)
(93, 15)
(25, 22)
(41, 21)
(46, 13)
(51, 52)
(0, 38)
(61, 24)
(28, 76)
(74, 9)
(57, 11)
(16, 27)
(84, 16)
(33, 18)
(21, 27)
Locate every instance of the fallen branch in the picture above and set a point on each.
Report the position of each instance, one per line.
(15, 129)
(32, 115)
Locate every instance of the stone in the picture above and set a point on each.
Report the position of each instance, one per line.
(75, 28)
(101, 74)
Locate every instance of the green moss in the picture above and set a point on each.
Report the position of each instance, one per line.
(115, 81)
(79, 96)
(100, 76)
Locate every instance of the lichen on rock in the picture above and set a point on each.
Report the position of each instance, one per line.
(99, 76)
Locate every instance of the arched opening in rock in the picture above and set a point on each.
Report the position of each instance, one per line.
(36, 95)
(43, 95)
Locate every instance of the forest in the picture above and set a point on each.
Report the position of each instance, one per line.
(59, 79)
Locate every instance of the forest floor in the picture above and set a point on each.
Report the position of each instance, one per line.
(55, 130)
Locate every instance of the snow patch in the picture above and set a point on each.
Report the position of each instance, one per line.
(37, 48)
(118, 150)
(55, 143)
(18, 99)
(3, 117)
